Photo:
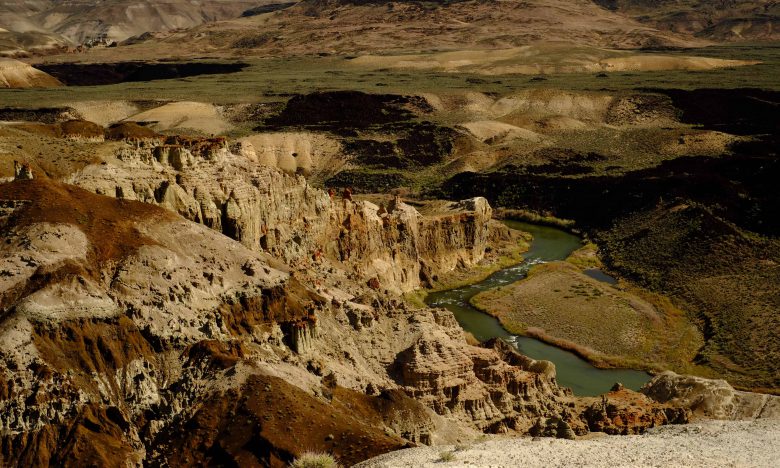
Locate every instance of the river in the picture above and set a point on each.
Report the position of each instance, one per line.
(549, 244)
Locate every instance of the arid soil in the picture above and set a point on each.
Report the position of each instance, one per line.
(710, 444)
(354, 27)
(740, 20)
(77, 21)
(542, 59)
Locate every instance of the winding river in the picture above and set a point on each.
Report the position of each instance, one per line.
(549, 244)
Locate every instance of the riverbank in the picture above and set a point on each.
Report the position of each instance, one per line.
(549, 244)
(706, 444)
(507, 247)
(532, 217)
(611, 326)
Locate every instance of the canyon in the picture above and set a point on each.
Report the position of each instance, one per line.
(142, 318)
(168, 289)
(389, 233)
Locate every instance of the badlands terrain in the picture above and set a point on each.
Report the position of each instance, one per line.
(236, 232)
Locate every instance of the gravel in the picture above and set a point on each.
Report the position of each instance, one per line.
(706, 444)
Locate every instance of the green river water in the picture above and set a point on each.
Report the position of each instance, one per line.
(549, 244)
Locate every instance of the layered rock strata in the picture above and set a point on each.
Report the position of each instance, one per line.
(131, 336)
(283, 215)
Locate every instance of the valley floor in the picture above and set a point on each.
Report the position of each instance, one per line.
(706, 444)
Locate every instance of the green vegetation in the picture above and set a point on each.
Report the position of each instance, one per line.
(727, 278)
(274, 79)
(610, 327)
(445, 457)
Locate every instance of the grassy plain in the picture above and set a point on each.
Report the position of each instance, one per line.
(610, 326)
(274, 79)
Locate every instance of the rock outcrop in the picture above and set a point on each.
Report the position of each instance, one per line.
(709, 398)
(283, 215)
(22, 171)
(103, 304)
(136, 336)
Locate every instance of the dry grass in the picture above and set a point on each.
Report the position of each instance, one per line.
(726, 277)
(446, 457)
(608, 326)
(585, 257)
(314, 460)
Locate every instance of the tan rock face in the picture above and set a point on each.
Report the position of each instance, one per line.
(281, 214)
(16, 74)
(97, 336)
(711, 398)
(127, 319)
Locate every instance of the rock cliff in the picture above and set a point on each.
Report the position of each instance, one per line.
(139, 335)
(708, 398)
(132, 335)
(281, 214)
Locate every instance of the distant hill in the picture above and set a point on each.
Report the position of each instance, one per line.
(79, 21)
(719, 20)
(16, 74)
(371, 26)
(288, 27)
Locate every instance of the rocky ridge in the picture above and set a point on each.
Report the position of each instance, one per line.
(710, 398)
(128, 325)
(223, 187)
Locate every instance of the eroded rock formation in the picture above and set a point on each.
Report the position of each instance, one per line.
(132, 335)
(283, 215)
(709, 398)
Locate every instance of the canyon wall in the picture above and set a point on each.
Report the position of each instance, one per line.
(132, 335)
(268, 210)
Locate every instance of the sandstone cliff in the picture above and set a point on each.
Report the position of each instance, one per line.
(266, 209)
(132, 335)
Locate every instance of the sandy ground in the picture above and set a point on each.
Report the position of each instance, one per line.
(105, 112)
(707, 444)
(199, 116)
(485, 130)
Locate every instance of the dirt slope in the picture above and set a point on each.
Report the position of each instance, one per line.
(79, 20)
(16, 74)
(315, 26)
(720, 20)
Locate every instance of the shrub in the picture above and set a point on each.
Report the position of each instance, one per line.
(314, 460)
(446, 456)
